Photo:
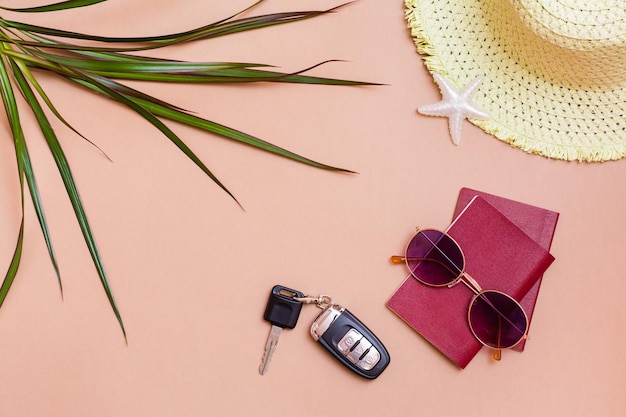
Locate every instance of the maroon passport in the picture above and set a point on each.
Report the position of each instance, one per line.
(538, 223)
(498, 255)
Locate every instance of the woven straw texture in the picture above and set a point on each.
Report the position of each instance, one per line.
(555, 70)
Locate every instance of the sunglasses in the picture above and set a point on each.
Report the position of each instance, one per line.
(496, 319)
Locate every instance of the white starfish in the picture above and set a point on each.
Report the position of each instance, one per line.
(455, 105)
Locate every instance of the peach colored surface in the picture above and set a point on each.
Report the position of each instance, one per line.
(191, 271)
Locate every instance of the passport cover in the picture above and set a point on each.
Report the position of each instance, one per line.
(538, 223)
(499, 256)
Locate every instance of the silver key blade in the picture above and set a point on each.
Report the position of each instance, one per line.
(270, 347)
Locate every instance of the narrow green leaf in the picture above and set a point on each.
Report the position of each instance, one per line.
(70, 186)
(125, 90)
(221, 28)
(145, 66)
(95, 85)
(33, 81)
(10, 106)
(228, 76)
(64, 5)
(14, 266)
(190, 72)
(37, 203)
(160, 109)
(125, 56)
(230, 133)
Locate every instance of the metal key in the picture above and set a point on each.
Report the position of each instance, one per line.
(282, 311)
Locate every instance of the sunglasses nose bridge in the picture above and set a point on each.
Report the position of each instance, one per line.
(469, 282)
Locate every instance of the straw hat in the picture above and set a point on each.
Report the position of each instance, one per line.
(554, 70)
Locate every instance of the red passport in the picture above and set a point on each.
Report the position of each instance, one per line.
(538, 223)
(499, 256)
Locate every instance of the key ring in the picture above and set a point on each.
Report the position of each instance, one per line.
(322, 301)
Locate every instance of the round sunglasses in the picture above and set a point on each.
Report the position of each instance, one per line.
(496, 319)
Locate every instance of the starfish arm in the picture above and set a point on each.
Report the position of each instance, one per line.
(448, 91)
(468, 93)
(471, 89)
(438, 109)
(454, 125)
(474, 112)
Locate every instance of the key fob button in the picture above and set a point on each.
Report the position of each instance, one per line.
(369, 360)
(348, 341)
(359, 350)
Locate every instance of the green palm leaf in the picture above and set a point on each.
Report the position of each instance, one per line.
(68, 181)
(10, 106)
(102, 64)
(69, 4)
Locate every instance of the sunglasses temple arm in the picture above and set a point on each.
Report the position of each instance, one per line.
(396, 259)
(497, 353)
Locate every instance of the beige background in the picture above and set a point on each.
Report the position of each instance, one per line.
(191, 271)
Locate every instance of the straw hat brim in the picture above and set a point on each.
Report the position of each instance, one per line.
(557, 101)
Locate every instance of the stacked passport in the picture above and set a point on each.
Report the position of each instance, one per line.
(506, 245)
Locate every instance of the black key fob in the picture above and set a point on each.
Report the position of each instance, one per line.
(350, 341)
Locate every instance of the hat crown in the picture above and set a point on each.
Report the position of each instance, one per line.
(574, 43)
(576, 24)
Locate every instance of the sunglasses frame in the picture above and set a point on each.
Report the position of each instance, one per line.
(469, 282)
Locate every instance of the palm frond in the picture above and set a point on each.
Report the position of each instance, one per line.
(102, 64)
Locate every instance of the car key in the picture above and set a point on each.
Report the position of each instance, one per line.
(282, 311)
(350, 341)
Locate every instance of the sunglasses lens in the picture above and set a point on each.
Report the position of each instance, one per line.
(434, 258)
(497, 320)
